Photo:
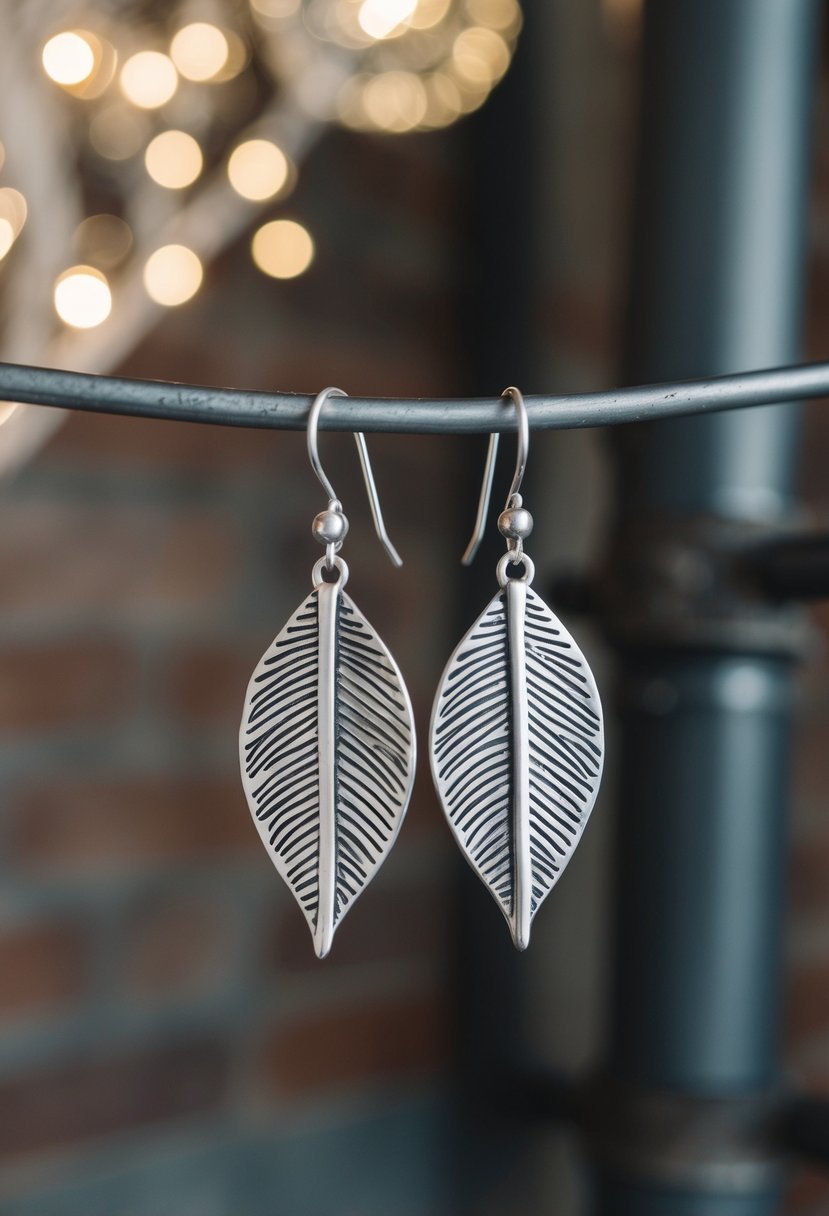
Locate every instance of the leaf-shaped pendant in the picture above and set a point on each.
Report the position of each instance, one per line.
(327, 748)
(517, 750)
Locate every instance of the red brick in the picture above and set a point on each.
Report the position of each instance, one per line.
(809, 883)
(411, 182)
(206, 684)
(812, 478)
(105, 1095)
(415, 369)
(64, 684)
(176, 947)
(384, 925)
(409, 363)
(581, 321)
(151, 445)
(808, 1001)
(809, 1194)
(810, 771)
(81, 825)
(43, 967)
(125, 563)
(343, 1046)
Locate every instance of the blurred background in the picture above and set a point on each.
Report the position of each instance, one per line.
(404, 198)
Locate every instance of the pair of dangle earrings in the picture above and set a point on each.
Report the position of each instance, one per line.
(327, 741)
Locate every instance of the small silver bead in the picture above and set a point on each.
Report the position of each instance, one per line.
(330, 527)
(516, 523)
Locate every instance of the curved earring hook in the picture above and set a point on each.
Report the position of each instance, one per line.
(523, 428)
(365, 465)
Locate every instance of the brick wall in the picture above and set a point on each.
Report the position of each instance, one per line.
(808, 959)
(168, 1041)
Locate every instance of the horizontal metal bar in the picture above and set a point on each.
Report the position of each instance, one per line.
(289, 411)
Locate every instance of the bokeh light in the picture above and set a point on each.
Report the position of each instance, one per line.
(443, 100)
(278, 9)
(117, 132)
(7, 235)
(383, 18)
(238, 57)
(149, 79)
(395, 101)
(82, 297)
(172, 275)
(69, 57)
(199, 51)
(496, 14)
(258, 169)
(13, 208)
(428, 14)
(173, 159)
(282, 249)
(480, 56)
(103, 241)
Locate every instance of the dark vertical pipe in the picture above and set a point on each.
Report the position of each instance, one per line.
(497, 232)
(716, 285)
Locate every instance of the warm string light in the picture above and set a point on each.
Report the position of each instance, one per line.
(172, 275)
(82, 297)
(173, 159)
(69, 57)
(13, 208)
(435, 60)
(149, 79)
(13, 213)
(80, 62)
(200, 51)
(384, 18)
(6, 237)
(258, 169)
(282, 249)
(424, 64)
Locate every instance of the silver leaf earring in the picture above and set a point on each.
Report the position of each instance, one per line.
(327, 743)
(517, 741)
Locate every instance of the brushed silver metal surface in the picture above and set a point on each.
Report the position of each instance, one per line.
(517, 736)
(327, 750)
(517, 749)
(327, 741)
(516, 607)
(328, 596)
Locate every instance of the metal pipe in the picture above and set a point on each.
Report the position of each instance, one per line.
(497, 288)
(289, 411)
(717, 284)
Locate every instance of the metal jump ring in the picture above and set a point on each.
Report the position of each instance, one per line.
(337, 563)
(515, 559)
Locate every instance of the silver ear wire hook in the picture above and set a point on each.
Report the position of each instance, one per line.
(365, 464)
(523, 428)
